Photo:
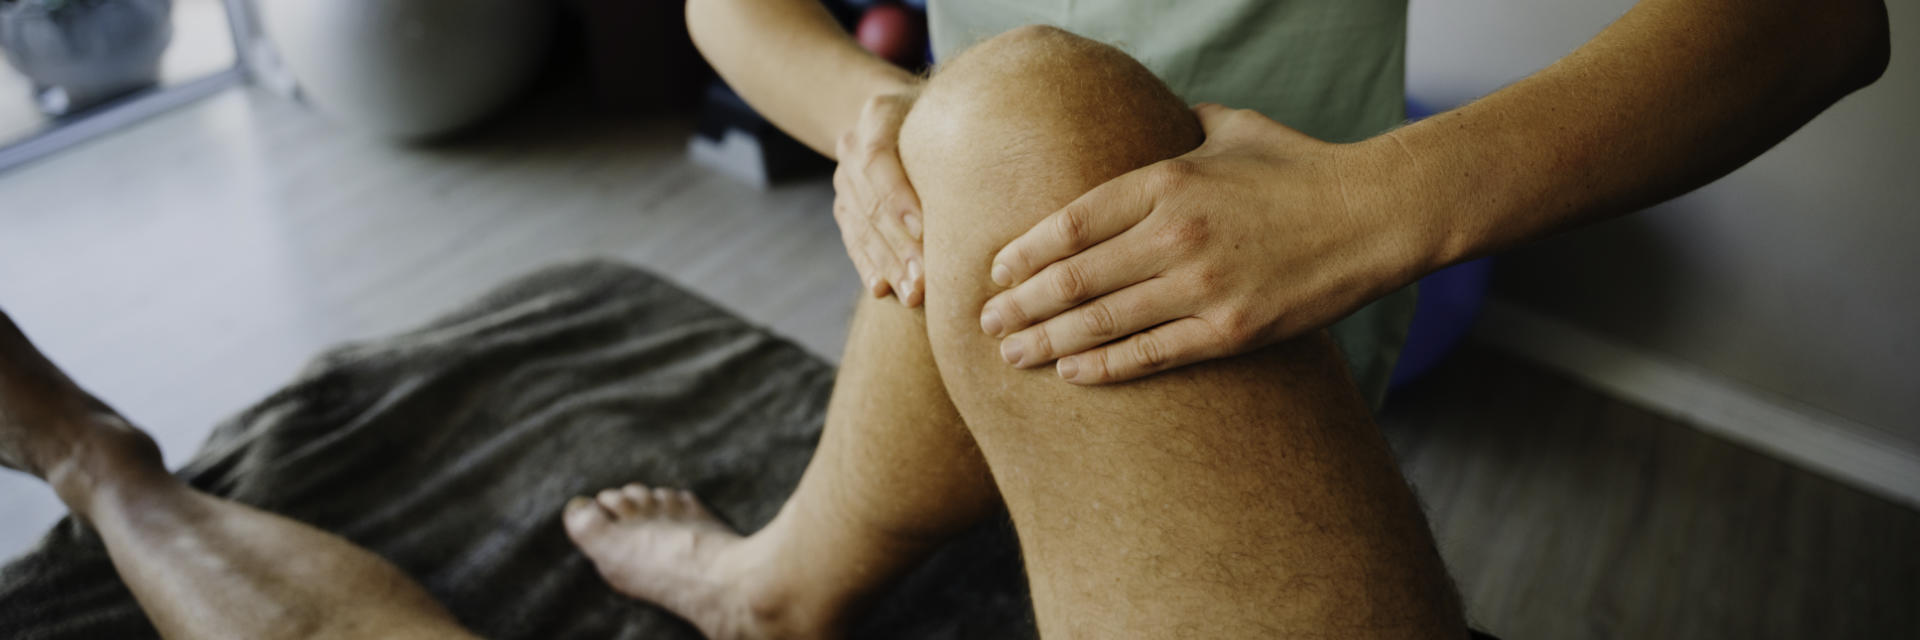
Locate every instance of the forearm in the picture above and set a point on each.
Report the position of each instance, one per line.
(793, 63)
(1673, 95)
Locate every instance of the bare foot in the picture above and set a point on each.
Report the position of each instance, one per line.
(51, 428)
(663, 546)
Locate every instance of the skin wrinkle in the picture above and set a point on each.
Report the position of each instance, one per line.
(1346, 200)
(1412, 160)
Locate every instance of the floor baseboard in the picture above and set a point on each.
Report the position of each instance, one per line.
(1848, 451)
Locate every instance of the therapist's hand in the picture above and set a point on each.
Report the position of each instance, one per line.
(1260, 234)
(877, 210)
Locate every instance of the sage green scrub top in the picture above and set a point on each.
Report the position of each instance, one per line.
(1334, 69)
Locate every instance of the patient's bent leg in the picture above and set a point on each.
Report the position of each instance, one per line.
(895, 474)
(200, 566)
(1246, 497)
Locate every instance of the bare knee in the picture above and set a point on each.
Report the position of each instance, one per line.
(1040, 92)
(1003, 135)
(1026, 121)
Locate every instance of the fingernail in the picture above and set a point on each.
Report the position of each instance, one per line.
(873, 286)
(990, 322)
(1002, 275)
(913, 270)
(1010, 352)
(906, 291)
(1068, 369)
(913, 224)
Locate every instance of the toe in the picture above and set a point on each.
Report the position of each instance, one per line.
(583, 517)
(669, 504)
(691, 504)
(641, 497)
(615, 501)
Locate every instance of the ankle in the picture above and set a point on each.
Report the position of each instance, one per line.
(781, 597)
(782, 611)
(114, 458)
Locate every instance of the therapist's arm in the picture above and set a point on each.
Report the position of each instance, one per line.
(793, 63)
(799, 69)
(1264, 233)
(1673, 95)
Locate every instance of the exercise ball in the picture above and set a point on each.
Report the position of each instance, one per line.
(409, 68)
(1449, 302)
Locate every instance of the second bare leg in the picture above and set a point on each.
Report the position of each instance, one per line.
(895, 474)
(200, 566)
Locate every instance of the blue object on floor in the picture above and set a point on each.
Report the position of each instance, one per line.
(1449, 302)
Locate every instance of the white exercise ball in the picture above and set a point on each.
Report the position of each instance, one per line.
(409, 68)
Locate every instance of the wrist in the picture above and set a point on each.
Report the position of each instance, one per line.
(896, 81)
(1387, 186)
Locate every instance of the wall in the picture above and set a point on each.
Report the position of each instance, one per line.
(1797, 277)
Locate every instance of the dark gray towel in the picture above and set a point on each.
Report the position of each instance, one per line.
(450, 450)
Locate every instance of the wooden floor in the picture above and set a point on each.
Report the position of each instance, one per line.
(187, 266)
(1564, 513)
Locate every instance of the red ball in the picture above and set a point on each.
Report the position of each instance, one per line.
(891, 32)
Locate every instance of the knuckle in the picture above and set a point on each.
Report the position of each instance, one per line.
(1172, 174)
(1074, 226)
(1239, 327)
(876, 242)
(1016, 257)
(897, 206)
(1150, 352)
(1106, 369)
(1209, 278)
(1041, 343)
(1015, 315)
(1186, 234)
(1099, 320)
(1069, 282)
